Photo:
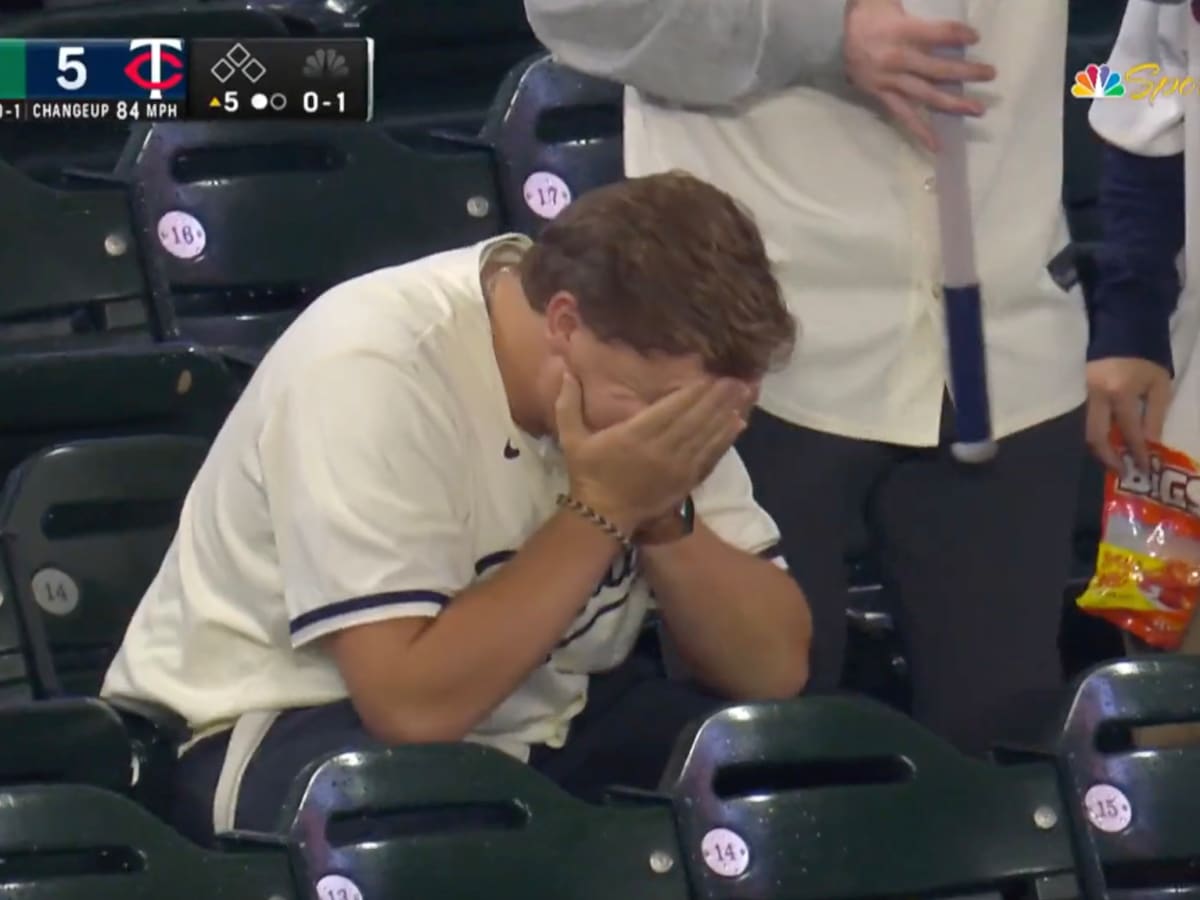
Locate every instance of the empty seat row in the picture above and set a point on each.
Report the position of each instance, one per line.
(819, 799)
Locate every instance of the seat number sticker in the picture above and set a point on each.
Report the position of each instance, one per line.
(546, 194)
(338, 887)
(725, 852)
(1108, 808)
(181, 234)
(55, 591)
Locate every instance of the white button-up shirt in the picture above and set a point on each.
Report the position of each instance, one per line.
(848, 206)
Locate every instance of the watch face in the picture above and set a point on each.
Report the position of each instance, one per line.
(687, 512)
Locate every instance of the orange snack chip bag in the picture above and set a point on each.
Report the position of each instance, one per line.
(1147, 578)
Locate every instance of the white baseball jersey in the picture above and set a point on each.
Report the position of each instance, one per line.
(371, 470)
(1166, 36)
(848, 208)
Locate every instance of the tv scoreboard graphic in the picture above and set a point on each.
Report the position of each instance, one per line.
(155, 79)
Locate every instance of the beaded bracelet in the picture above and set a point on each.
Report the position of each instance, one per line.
(566, 501)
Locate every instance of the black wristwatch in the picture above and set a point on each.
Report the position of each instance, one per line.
(669, 529)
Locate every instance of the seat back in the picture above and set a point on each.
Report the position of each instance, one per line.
(16, 680)
(832, 797)
(81, 741)
(1135, 808)
(84, 528)
(49, 398)
(78, 842)
(253, 220)
(439, 63)
(89, 228)
(460, 822)
(556, 134)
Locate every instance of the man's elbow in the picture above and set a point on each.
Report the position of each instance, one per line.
(787, 681)
(789, 675)
(398, 724)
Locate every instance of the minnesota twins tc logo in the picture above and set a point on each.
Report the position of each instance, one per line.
(157, 56)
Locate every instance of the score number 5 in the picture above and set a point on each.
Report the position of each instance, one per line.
(72, 72)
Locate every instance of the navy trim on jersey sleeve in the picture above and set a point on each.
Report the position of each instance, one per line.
(359, 604)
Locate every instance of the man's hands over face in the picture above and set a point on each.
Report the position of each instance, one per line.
(643, 468)
(1133, 394)
(889, 56)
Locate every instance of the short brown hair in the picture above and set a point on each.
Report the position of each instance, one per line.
(669, 264)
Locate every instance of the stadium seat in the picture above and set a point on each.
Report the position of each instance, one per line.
(437, 64)
(1135, 807)
(556, 134)
(251, 221)
(16, 679)
(83, 529)
(51, 397)
(78, 842)
(462, 821)
(131, 747)
(70, 264)
(78, 741)
(837, 798)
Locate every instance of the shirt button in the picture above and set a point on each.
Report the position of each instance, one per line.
(936, 292)
(930, 184)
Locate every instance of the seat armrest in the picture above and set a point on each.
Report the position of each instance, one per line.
(75, 740)
(143, 716)
(155, 734)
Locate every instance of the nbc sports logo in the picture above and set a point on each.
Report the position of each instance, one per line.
(1097, 83)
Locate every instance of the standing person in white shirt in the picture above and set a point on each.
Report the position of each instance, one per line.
(815, 115)
(450, 495)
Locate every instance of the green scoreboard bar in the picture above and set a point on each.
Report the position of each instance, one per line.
(164, 79)
(12, 69)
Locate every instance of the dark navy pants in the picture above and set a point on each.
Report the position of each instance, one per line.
(975, 560)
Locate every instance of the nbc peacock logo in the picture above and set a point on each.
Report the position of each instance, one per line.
(1097, 83)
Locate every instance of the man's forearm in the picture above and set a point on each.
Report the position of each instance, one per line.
(494, 634)
(739, 623)
(696, 52)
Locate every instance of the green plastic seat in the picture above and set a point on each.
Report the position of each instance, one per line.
(78, 842)
(547, 118)
(437, 64)
(838, 798)
(78, 740)
(51, 397)
(1135, 807)
(289, 209)
(84, 527)
(88, 235)
(461, 821)
(16, 678)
